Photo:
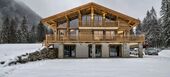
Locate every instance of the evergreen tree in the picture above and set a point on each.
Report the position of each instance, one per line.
(12, 31)
(41, 31)
(151, 28)
(18, 36)
(32, 36)
(24, 31)
(165, 17)
(5, 31)
(154, 29)
(138, 29)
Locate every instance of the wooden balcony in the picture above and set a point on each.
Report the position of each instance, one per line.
(105, 25)
(94, 39)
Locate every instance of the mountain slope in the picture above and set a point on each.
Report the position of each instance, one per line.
(15, 9)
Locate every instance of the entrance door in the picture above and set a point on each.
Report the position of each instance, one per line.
(69, 51)
(98, 51)
(114, 50)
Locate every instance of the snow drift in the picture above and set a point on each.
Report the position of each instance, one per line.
(164, 53)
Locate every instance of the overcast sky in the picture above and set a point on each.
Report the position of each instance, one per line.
(134, 8)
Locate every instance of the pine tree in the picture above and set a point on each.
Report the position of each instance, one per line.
(12, 31)
(24, 31)
(138, 29)
(18, 36)
(165, 17)
(5, 31)
(41, 31)
(150, 27)
(154, 29)
(32, 36)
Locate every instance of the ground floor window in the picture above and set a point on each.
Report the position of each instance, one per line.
(114, 50)
(69, 51)
(98, 51)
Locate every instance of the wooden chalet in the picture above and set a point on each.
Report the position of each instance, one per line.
(92, 30)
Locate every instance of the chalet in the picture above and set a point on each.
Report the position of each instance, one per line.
(92, 31)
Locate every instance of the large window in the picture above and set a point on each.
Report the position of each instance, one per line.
(97, 20)
(110, 34)
(86, 20)
(74, 23)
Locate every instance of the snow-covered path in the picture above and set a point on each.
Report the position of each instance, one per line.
(149, 66)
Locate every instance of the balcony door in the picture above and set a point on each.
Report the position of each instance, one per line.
(110, 35)
(98, 35)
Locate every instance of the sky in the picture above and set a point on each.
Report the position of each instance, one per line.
(133, 8)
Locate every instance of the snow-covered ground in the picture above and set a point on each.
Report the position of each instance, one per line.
(8, 51)
(149, 66)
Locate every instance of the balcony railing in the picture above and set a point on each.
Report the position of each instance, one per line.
(100, 24)
(95, 38)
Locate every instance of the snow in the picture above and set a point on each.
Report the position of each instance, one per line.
(10, 51)
(135, 67)
(165, 53)
(149, 66)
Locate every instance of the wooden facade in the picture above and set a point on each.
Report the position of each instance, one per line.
(91, 23)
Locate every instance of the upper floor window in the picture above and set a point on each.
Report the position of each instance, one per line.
(86, 20)
(74, 23)
(97, 20)
(62, 25)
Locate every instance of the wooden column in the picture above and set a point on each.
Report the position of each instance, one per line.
(80, 19)
(92, 16)
(68, 25)
(140, 50)
(117, 21)
(103, 24)
(103, 19)
(80, 23)
(55, 31)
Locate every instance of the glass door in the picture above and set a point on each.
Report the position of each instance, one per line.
(69, 51)
(113, 51)
(98, 51)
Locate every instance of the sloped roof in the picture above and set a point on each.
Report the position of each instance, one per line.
(89, 5)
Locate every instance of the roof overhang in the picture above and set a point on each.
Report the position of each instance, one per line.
(66, 14)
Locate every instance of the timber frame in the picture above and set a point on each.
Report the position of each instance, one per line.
(91, 23)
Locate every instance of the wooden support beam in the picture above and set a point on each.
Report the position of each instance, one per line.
(92, 16)
(79, 18)
(129, 22)
(68, 25)
(103, 18)
(66, 17)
